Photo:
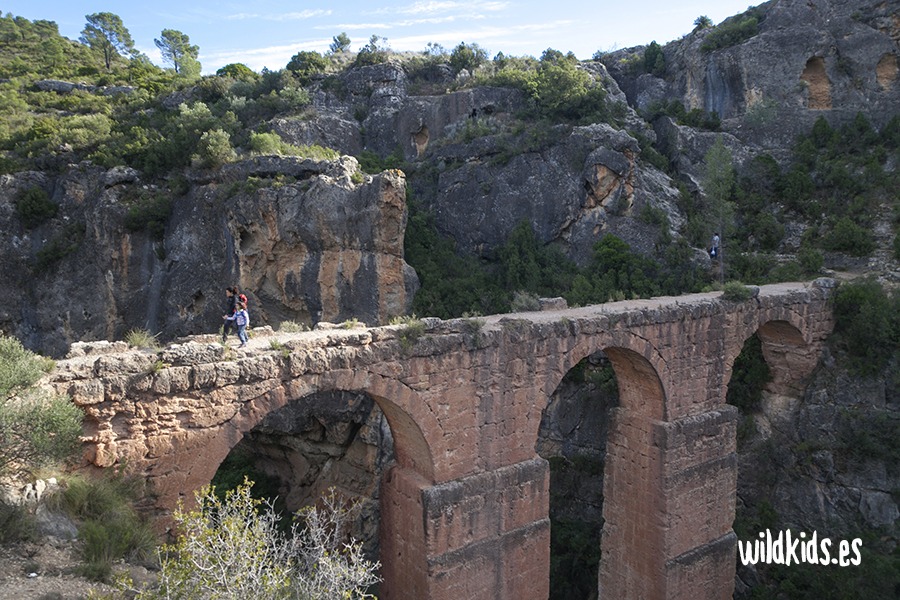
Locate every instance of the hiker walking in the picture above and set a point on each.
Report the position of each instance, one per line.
(714, 247)
(242, 320)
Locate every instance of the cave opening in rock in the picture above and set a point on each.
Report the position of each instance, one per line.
(297, 453)
(572, 438)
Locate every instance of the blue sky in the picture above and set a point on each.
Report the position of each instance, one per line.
(267, 33)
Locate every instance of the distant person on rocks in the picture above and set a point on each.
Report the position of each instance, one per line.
(231, 299)
(714, 247)
(242, 320)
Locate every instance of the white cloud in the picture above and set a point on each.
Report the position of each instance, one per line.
(273, 57)
(440, 6)
(381, 26)
(291, 16)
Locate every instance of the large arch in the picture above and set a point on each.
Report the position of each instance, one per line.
(401, 533)
(633, 534)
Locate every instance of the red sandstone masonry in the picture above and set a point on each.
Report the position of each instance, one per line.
(464, 513)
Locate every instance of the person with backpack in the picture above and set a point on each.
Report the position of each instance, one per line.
(242, 319)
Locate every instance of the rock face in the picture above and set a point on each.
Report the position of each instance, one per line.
(584, 183)
(302, 239)
(479, 181)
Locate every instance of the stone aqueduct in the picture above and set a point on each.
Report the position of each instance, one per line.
(464, 511)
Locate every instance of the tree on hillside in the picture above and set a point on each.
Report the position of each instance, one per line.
(702, 22)
(238, 71)
(373, 53)
(106, 34)
(468, 57)
(176, 49)
(718, 184)
(307, 63)
(339, 43)
(654, 60)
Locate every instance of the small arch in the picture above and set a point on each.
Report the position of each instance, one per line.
(788, 354)
(886, 71)
(420, 140)
(640, 388)
(816, 77)
(411, 449)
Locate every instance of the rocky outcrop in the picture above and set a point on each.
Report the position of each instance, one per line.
(573, 186)
(828, 58)
(306, 240)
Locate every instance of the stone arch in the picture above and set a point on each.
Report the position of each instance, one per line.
(397, 402)
(637, 365)
(400, 506)
(816, 77)
(789, 355)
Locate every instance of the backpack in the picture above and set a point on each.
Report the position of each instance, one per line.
(243, 298)
(241, 318)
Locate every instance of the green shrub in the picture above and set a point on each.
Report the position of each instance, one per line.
(215, 149)
(847, 236)
(372, 163)
(731, 32)
(307, 64)
(412, 330)
(150, 213)
(523, 301)
(468, 57)
(233, 548)
(19, 368)
(37, 428)
(292, 327)
(373, 53)
(867, 325)
(654, 60)
(61, 245)
(141, 338)
(109, 527)
(33, 207)
(810, 260)
(736, 291)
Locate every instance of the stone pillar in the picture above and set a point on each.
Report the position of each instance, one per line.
(484, 536)
(699, 489)
(402, 536)
(669, 491)
(632, 564)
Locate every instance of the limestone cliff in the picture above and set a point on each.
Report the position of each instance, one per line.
(306, 240)
(809, 58)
